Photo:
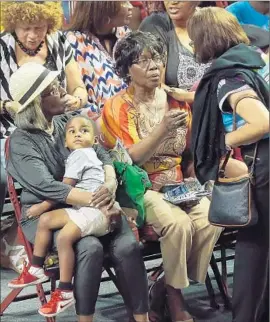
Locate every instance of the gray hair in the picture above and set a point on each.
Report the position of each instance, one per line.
(32, 117)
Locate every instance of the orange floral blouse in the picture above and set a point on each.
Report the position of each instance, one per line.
(120, 119)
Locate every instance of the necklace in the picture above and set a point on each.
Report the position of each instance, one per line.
(156, 117)
(29, 52)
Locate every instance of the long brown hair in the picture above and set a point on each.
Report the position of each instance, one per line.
(88, 15)
(213, 31)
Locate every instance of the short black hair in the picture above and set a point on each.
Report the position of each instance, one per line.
(93, 124)
(132, 46)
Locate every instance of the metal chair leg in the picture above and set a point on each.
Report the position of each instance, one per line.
(211, 293)
(224, 270)
(222, 289)
(9, 299)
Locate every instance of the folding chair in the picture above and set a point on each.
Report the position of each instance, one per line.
(53, 273)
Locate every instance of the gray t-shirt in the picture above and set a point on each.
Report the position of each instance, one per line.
(84, 166)
(182, 70)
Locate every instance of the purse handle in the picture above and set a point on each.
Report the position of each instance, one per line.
(221, 172)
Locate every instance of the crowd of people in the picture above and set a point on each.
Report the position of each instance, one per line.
(166, 85)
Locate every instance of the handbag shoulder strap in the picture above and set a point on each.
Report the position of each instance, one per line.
(221, 171)
(254, 159)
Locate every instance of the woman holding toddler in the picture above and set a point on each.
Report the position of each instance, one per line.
(37, 161)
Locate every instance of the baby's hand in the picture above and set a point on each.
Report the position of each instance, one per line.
(34, 211)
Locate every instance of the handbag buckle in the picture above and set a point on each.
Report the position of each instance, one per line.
(221, 173)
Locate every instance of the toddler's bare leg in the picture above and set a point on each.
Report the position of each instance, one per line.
(48, 222)
(65, 241)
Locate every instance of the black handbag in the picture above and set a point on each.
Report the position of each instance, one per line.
(232, 204)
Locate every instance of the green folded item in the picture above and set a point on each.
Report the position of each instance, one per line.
(132, 185)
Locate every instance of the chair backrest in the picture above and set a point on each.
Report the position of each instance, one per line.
(16, 205)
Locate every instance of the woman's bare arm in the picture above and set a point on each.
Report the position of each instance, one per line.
(75, 85)
(254, 113)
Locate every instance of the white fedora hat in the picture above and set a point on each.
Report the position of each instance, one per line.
(29, 81)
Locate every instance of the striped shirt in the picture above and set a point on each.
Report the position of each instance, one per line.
(59, 55)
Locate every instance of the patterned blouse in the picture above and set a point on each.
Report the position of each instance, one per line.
(182, 69)
(97, 68)
(120, 119)
(59, 55)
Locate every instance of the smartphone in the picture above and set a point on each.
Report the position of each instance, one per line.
(178, 191)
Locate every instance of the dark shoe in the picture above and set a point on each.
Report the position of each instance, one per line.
(157, 300)
(173, 306)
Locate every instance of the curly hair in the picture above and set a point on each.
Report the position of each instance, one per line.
(130, 48)
(31, 12)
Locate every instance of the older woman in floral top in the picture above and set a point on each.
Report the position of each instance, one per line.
(155, 130)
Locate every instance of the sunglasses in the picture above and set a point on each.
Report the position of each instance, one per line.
(54, 89)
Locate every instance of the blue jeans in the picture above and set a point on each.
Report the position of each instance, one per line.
(3, 176)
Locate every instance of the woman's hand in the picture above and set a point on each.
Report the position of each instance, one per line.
(12, 107)
(174, 119)
(179, 94)
(113, 215)
(103, 197)
(34, 211)
(187, 205)
(70, 102)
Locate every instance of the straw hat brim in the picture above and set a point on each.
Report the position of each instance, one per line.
(25, 89)
(45, 83)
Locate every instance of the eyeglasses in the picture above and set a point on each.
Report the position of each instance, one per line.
(145, 62)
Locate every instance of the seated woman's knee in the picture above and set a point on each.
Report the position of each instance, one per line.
(89, 246)
(129, 247)
(183, 226)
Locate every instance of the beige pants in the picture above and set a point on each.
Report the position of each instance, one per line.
(186, 240)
